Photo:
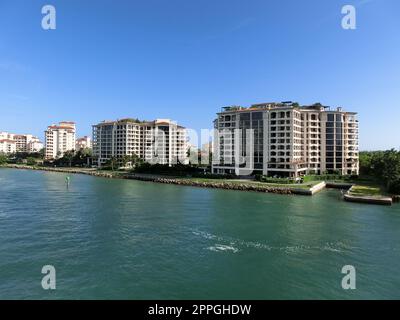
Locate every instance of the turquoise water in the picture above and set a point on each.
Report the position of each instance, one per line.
(124, 239)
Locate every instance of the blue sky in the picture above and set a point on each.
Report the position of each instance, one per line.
(185, 59)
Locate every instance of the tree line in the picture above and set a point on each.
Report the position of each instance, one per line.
(30, 158)
(384, 166)
(72, 158)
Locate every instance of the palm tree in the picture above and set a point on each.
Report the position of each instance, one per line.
(125, 159)
(113, 162)
(69, 155)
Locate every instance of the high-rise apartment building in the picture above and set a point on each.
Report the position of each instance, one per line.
(59, 139)
(285, 139)
(161, 141)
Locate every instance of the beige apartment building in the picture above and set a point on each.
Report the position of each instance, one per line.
(59, 139)
(27, 143)
(83, 143)
(160, 141)
(285, 139)
(11, 143)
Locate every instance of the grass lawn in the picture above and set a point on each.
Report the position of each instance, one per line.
(358, 190)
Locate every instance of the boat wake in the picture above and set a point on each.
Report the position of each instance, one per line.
(224, 244)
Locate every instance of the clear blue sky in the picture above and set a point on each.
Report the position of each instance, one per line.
(185, 59)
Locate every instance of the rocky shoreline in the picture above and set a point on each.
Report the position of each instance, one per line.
(215, 185)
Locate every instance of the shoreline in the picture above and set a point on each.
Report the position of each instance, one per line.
(238, 186)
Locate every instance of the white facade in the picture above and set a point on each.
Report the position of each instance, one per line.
(161, 141)
(59, 139)
(284, 139)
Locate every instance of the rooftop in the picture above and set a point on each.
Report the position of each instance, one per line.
(280, 105)
(137, 121)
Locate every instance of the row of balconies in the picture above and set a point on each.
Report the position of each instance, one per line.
(279, 122)
(275, 128)
(280, 115)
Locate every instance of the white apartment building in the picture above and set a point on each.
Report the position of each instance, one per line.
(59, 139)
(161, 141)
(285, 139)
(83, 143)
(23, 142)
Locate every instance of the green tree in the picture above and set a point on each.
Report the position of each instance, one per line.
(81, 157)
(383, 165)
(3, 158)
(365, 161)
(112, 162)
(31, 161)
(125, 160)
(391, 167)
(69, 156)
(135, 160)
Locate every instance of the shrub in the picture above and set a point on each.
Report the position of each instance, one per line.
(3, 159)
(31, 161)
(325, 177)
(164, 169)
(213, 176)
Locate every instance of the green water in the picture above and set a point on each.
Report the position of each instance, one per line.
(123, 239)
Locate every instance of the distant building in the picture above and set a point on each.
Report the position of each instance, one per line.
(161, 141)
(20, 142)
(285, 139)
(35, 145)
(59, 139)
(207, 150)
(7, 143)
(83, 143)
(28, 143)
